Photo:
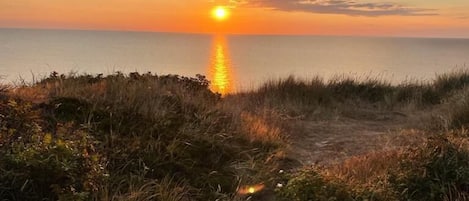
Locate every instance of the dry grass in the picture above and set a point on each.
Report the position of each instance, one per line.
(150, 128)
(166, 189)
(298, 97)
(368, 169)
(170, 138)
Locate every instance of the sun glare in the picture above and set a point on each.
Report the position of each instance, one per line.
(220, 13)
(249, 190)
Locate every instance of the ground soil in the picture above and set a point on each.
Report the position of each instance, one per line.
(332, 140)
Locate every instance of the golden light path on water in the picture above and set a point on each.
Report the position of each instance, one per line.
(220, 71)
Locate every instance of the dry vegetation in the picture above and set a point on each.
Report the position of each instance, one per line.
(169, 138)
(136, 137)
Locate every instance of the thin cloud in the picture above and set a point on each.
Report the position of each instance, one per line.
(228, 3)
(345, 7)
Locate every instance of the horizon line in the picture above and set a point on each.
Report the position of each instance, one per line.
(233, 34)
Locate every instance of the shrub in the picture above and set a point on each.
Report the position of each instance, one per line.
(436, 171)
(309, 185)
(36, 165)
(148, 128)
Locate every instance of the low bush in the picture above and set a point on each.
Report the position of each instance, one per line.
(38, 165)
(439, 170)
(309, 185)
(129, 137)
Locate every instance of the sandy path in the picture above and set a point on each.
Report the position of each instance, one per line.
(333, 140)
(330, 140)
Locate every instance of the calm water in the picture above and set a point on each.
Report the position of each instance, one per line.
(231, 62)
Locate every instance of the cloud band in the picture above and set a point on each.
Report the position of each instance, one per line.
(345, 7)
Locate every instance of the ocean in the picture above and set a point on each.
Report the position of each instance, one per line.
(231, 62)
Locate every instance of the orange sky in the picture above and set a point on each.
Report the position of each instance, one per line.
(428, 18)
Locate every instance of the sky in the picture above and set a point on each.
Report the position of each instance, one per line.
(408, 18)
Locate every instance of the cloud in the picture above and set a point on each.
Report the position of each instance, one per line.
(345, 7)
(228, 3)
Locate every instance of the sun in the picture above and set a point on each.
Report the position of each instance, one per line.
(220, 13)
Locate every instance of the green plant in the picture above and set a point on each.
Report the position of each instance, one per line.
(38, 165)
(309, 185)
(434, 171)
(146, 128)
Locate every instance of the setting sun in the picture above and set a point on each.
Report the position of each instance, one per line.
(220, 13)
(234, 100)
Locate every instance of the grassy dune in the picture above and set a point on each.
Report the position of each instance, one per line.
(148, 137)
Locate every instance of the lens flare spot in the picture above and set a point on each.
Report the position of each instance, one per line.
(249, 190)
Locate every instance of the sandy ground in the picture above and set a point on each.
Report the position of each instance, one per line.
(331, 139)
(343, 136)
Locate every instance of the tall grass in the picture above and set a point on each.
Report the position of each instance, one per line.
(456, 110)
(148, 137)
(145, 129)
(3, 91)
(455, 80)
(435, 169)
(304, 96)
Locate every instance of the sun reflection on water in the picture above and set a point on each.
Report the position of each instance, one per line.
(220, 72)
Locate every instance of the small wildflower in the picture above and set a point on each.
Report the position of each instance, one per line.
(47, 139)
(60, 143)
(94, 158)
